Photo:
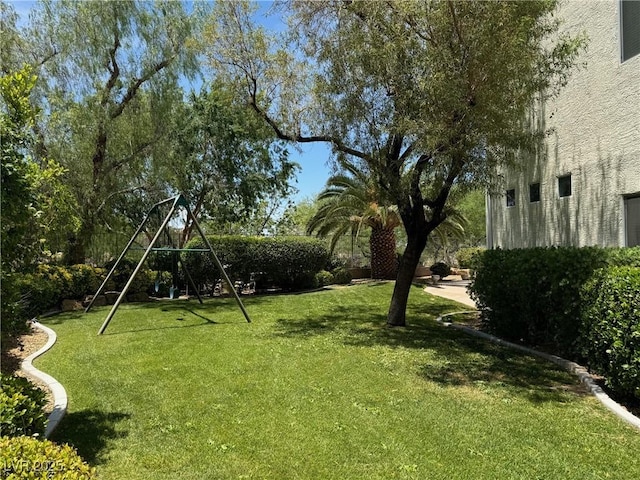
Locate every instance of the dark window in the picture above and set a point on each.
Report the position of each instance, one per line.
(534, 192)
(632, 220)
(564, 186)
(511, 197)
(630, 28)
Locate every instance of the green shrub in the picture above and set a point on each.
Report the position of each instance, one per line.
(234, 252)
(28, 458)
(82, 280)
(533, 295)
(21, 407)
(142, 282)
(629, 257)
(290, 263)
(441, 269)
(341, 276)
(11, 312)
(610, 332)
(467, 256)
(39, 292)
(324, 278)
(46, 287)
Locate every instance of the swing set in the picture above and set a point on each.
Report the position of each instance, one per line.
(176, 202)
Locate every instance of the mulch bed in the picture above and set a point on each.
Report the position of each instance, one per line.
(20, 348)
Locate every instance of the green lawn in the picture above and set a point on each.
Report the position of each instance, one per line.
(317, 388)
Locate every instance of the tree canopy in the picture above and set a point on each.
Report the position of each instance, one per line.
(112, 79)
(416, 91)
(226, 160)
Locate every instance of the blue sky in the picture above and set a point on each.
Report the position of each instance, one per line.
(312, 158)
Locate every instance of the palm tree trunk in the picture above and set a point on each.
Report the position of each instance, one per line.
(383, 253)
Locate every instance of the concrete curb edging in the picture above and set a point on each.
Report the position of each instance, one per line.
(59, 393)
(572, 367)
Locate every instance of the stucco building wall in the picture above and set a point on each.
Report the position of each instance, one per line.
(595, 138)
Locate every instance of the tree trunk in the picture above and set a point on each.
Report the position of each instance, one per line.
(78, 244)
(406, 270)
(383, 253)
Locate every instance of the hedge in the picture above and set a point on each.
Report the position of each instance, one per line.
(610, 330)
(533, 295)
(287, 262)
(28, 458)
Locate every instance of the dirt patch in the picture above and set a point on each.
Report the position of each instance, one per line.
(19, 349)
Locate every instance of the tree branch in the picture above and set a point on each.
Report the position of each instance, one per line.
(137, 83)
(120, 192)
(113, 68)
(337, 143)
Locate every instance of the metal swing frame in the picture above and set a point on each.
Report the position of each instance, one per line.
(176, 202)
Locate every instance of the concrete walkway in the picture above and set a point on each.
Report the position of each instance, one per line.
(453, 290)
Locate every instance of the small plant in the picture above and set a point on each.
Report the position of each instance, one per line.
(324, 278)
(21, 407)
(28, 458)
(467, 256)
(341, 276)
(441, 269)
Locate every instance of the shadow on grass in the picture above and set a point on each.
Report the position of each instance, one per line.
(91, 432)
(456, 360)
(182, 309)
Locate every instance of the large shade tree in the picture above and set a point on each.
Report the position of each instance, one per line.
(428, 95)
(108, 77)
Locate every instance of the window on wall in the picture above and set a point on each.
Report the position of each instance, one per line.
(632, 220)
(630, 28)
(564, 186)
(534, 192)
(511, 197)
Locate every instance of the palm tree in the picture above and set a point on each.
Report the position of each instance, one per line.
(351, 202)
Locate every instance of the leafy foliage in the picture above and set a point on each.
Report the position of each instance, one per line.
(341, 276)
(467, 256)
(33, 200)
(21, 407)
(324, 278)
(533, 295)
(109, 80)
(122, 274)
(226, 160)
(610, 331)
(45, 288)
(288, 262)
(32, 459)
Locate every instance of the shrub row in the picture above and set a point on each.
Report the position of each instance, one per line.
(290, 263)
(610, 331)
(46, 287)
(542, 297)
